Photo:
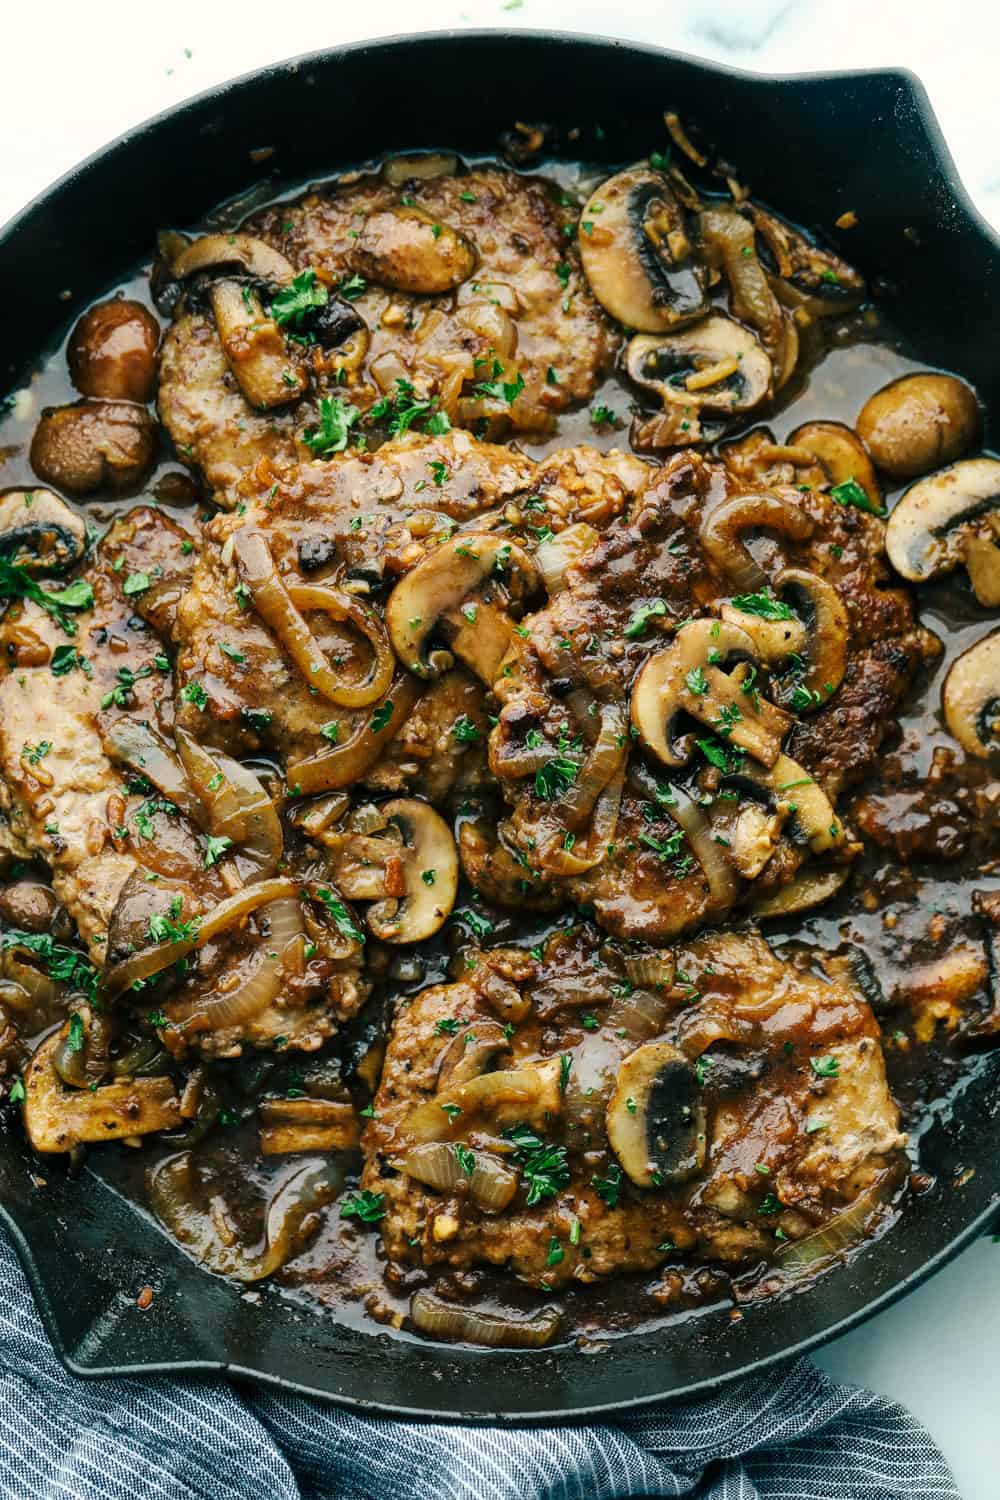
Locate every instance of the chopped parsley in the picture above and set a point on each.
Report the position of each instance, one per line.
(364, 1205)
(602, 416)
(74, 1039)
(555, 777)
(194, 692)
(608, 1188)
(381, 717)
(465, 731)
(136, 583)
(215, 848)
(556, 1253)
(164, 927)
(697, 683)
(16, 1094)
(293, 304)
(639, 618)
(825, 1067)
(66, 965)
(851, 493)
(465, 1159)
(764, 605)
(17, 583)
(405, 408)
(544, 1167)
(65, 659)
(331, 731)
(342, 919)
(336, 418)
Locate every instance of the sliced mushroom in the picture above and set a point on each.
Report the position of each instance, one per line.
(730, 245)
(823, 654)
(775, 639)
(842, 454)
(40, 532)
(470, 1053)
(971, 697)
(441, 582)
(722, 531)
(802, 801)
(807, 889)
(254, 345)
(656, 1117)
(918, 422)
(804, 275)
(214, 252)
(90, 445)
(421, 166)
(717, 366)
(636, 253)
(58, 1118)
(410, 871)
(949, 518)
(691, 676)
(411, 251)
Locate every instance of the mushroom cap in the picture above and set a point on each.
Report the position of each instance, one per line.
(429, 869)
(916, 423)
(57, 1118)
(931, 525)
(656, 1117)
(971, 697)
(673, 366)
(40, 531)
(722, 528)
(827, 630)
(636, 254)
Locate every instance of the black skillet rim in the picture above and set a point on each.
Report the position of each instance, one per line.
(21, 222)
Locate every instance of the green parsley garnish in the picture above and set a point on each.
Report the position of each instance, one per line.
(637, 623)
(608, 1188)
(17, 583)
(364, 1205)
(215, 848)
(342, 918)
(851, 493)
(764, 605)
(825, 1067)
(465, 731)
(336, 418)
(545, 1167)
(293, 304)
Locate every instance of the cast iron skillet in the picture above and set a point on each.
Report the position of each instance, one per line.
(815, 146)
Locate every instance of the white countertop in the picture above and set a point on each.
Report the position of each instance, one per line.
(75, 75)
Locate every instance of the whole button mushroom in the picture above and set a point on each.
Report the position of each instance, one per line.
(112, 351)
(918, 423)
(93, 445)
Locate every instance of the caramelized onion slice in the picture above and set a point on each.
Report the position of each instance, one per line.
(722, 879)
(438, 1164)
(340, 765)
(236, 1006)
(279, 607)
(292, 1217)
(507, 1096)
(158, 956)
(837, 1235)
(556, 556)
(447, 1320)
(234, 802)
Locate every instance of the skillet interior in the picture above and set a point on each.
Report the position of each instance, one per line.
(863, 141)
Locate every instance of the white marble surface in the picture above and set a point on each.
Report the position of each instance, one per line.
(77, 74)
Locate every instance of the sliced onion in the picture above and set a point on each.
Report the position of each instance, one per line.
(142, 1058)
(340, 765)
(152, 960)
(654, 970)
(606, 757)
(837, 1235)
(491, 1185)
(139, 747)
(641, 1015)
(434, 1120)
(561, 552)
(555, 858)
(86, 1062)
(470, 1052)
(722, 879)
(446, 1320)
(279, 606)
(38, 989)
(235, 803)
(236, 1006)
(292, 1215)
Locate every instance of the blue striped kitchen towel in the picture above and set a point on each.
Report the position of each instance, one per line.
(790, 1434)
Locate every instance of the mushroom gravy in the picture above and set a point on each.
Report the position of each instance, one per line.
(901, 953)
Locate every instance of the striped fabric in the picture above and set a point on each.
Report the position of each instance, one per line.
(788, 1435)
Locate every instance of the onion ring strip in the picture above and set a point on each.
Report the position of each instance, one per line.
(120, 977)
(279, 606)
(340, 765)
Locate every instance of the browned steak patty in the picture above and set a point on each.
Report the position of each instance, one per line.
(790, 1115)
